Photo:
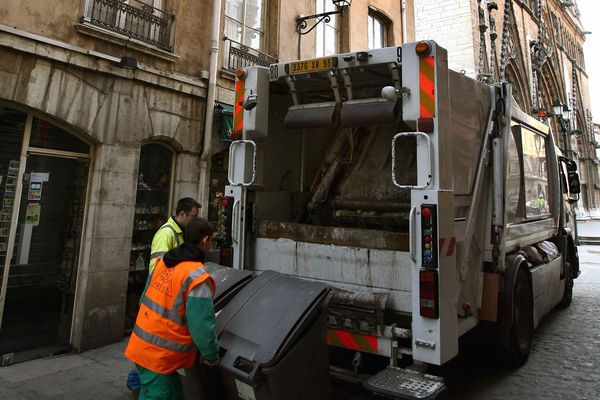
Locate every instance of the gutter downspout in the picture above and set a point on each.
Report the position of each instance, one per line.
(205, 158)
(404, 22)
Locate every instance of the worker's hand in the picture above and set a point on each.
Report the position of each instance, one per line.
(211, 363)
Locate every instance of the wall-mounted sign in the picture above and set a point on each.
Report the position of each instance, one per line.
(32, 214)
(35, 191)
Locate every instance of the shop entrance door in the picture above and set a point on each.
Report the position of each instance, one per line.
(41, 223)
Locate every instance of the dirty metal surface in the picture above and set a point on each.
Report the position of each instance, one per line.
(351, 237)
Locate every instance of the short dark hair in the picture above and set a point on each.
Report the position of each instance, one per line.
(186, 204)
(198, 229)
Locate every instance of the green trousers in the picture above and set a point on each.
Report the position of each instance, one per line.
(157, 386)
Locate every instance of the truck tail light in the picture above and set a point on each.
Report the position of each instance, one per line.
(429, 293)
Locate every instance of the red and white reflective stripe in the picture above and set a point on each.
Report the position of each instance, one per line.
(427, 86)
(359, 342)
(451, 247)
(238, 110)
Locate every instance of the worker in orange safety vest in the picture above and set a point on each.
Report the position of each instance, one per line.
(176, 317)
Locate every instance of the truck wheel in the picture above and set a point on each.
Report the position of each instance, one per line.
(568, 293)
(521, 331)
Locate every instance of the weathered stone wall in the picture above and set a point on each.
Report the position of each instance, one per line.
(449, 23)
(61, 20)
(118, 111)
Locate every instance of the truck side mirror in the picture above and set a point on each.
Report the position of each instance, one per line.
(574, 184)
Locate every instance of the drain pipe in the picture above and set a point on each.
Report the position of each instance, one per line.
(205, 158)
(404, 22)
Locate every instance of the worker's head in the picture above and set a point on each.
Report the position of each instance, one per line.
(186, 211)
(199, 232)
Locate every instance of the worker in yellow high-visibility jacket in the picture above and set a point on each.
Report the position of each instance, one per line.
(170, 235)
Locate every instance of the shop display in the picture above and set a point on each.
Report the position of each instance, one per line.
(152, 203)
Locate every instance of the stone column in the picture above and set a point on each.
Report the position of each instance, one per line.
(104, 264)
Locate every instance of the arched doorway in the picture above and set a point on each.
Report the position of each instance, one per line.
(153, 205)
(43, 183)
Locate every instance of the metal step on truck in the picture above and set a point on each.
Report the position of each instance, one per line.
(428, 200)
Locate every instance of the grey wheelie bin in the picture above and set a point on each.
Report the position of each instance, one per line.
(199, 382)
(273, 338)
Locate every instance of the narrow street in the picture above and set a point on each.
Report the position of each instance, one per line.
(563, 363)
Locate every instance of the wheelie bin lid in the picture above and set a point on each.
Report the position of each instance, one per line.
(228, 282)
(265, 319)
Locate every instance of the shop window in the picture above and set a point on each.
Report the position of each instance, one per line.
(47, 136)
(152, 207)
(41, 222)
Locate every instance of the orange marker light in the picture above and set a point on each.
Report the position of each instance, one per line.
(241, 74)
(423, 48)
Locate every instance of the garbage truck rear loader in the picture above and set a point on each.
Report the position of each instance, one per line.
(421, 195)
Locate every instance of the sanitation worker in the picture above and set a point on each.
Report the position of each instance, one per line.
(170, 235)
(176, 317)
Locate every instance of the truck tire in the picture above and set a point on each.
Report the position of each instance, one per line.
(521, 330)
(568, 293)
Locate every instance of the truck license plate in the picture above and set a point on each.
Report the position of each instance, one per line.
(318, 64)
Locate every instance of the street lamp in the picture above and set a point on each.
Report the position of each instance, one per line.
(561, 111)
(301, 21)
(557, 107)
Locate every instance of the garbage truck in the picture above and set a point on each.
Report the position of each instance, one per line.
(427, 200)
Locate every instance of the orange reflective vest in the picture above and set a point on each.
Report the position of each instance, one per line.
(161, 341)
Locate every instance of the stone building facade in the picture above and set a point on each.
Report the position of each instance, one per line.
(539, 49)
(113, 78)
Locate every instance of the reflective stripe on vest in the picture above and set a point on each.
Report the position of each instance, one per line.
(185, 288)
(163, 311)
(174, 233)
(167, 344)
(158, 254)
(161, 341)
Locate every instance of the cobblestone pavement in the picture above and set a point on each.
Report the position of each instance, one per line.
(564, 362)
(565, 357)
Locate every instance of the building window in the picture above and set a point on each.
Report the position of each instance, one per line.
(377, 27)
(245, 22)
(143, 20)
(327, 33)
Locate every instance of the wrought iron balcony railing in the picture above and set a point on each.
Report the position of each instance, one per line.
(135, 19)
(238, 56)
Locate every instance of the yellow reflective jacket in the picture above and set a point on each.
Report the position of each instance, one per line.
(166, 238)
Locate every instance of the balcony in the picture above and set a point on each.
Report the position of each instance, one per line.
(134, 19)
(238, 56)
